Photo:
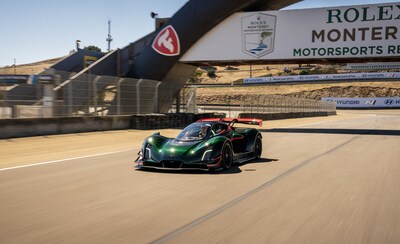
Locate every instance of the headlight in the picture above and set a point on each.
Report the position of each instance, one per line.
(147, 151)
(140, 155)
(206, 155)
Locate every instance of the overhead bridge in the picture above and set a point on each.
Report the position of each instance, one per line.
(144, 59)
(207, 32)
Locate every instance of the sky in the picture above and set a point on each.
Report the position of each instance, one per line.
(36, 30)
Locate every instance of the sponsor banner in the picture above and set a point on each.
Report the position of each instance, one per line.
(324, 77)
(25, 79)
(179, 34)
(362, 31)
(14, 77)
(372, 102)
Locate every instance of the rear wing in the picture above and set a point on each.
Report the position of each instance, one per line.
(234, 120)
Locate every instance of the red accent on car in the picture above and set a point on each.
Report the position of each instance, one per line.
(217, 162)
(237, 138)
(222, 131)
(167, 42)
(250, 121)
(236, 120)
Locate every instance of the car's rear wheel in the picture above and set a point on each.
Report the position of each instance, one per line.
(258, 147)
(227, 156)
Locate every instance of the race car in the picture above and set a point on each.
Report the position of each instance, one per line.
(208, 144)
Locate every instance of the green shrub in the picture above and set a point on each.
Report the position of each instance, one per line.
(198, 73)
(193, 80)
(231, 68)
(211, 73)
(238, 82)
(331, 70)
(266, 75)
(93, 48)
(304, 72)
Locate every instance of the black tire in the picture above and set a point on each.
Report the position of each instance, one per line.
(227, 156)
(258, 147)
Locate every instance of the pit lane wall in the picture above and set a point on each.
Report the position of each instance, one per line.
(13, 128)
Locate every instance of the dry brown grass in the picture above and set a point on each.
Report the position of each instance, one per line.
(311, 90)
(29, 69)
(314, 90)
(285, 89)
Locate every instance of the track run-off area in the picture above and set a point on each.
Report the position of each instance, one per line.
(320, 180)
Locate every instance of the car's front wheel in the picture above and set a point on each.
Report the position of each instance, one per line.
(227, 156)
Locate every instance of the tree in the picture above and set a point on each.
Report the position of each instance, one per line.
(93, 48)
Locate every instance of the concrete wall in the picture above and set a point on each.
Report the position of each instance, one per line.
(31, 111)
(12, 128)
(275, 116)
(5, 112)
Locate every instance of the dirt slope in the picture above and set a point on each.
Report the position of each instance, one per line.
(229, 95)
(228, 75)
(314, 90)
(29, 69)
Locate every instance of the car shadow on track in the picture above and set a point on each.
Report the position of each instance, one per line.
(235, 169)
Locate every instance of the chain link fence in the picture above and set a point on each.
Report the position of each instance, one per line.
(70, 94)
(233, 104)
(103, 95)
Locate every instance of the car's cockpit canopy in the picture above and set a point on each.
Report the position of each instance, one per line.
(201, 130)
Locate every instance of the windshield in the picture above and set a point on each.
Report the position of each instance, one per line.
(194, 132)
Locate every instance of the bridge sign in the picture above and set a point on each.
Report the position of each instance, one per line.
(167, 42)
(362, 32)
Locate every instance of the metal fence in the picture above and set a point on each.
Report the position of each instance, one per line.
(85, 94)
(103, 95)
(235, 103)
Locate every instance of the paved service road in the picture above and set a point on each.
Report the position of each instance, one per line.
(322, 180)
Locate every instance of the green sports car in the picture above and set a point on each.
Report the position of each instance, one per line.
(208, 144)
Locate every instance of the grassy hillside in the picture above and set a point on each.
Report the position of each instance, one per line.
(235, 74)
(28, 69)
(313, 90)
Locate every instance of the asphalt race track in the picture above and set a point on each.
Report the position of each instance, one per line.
(321, 180)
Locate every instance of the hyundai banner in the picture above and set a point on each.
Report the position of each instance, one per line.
(373, 102)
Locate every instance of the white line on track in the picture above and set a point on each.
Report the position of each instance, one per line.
(64, 160)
